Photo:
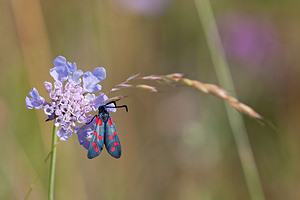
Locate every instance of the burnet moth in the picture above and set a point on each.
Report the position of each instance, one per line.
(105, 133)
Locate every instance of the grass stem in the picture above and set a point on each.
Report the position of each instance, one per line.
(52, 164)
(235, 119)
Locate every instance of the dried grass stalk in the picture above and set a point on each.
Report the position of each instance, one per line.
(172, 79)
(218, 92)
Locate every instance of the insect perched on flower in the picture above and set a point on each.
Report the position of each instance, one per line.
(105, 132)
(72, 99)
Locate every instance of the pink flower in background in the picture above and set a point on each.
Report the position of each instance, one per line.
(249, 40)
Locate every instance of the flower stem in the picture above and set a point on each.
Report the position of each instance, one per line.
(52, 164)
(235, 120)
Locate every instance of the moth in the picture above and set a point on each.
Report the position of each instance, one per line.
(105, 133)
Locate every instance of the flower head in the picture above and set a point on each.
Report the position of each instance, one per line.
(71, 101)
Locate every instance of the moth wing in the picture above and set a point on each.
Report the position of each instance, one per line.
(111, 140)
(96, 144)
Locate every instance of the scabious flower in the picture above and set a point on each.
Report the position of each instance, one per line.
(72, 99)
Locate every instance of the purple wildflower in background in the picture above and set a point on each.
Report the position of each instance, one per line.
(145, 7)
(249, 40)
(71, 97)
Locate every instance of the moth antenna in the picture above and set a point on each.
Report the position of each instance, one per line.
(113, 102)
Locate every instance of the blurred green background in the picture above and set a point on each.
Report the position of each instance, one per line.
(177, 144)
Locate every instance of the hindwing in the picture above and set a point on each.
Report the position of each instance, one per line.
(111, 140)
(96, 144)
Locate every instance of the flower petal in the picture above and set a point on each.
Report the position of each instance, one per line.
(59, 61)
(89, 97)
(91, 80)
(34, 93)
(28, 103)
(84, 142)
(59, 75)
(76, 77)
(100, 99)
(62, 69)
(82, 119)
(63, 133)
(100, 73)
(85, 132)
(51, 117)
(48, 109)
(36, 101)
(96, 88)
(71, 67)
(48, 86)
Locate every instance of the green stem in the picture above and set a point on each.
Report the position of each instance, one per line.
(52, 164)
(235, 119)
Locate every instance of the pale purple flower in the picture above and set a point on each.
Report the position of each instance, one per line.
(70, 101)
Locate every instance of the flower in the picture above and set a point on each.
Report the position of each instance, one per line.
(249, 40)
(71, 98)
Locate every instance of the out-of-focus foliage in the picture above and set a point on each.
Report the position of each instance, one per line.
(176, 144)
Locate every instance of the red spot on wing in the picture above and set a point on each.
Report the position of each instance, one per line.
(100, 122)
(110, 137)
(115, 133)
(113, 149)
(110, 122)
(95, 133)
(94, 144)
(97, 120)
(116, 143)
(99, 137)
(96, 149)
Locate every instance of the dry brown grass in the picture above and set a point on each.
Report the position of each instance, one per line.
(178, 78)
